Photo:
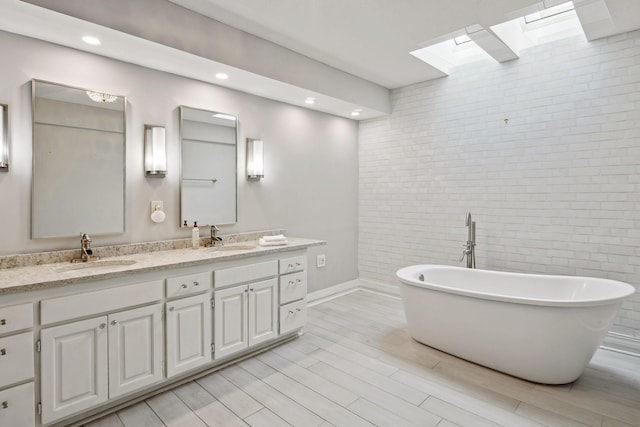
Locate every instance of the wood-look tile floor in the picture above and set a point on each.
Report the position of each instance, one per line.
(356, 365)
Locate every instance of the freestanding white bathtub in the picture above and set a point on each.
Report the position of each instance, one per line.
(540, 328)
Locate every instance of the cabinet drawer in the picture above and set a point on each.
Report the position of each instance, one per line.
(15, 318)
(17, 406)
(293, 316)
(293, 287)
(189, 284)
(90, 303)
(245, 273)
(290, 265)
(16, 358)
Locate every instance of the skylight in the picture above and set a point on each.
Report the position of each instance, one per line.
(545, 25)
(503, 41)
(451, 53)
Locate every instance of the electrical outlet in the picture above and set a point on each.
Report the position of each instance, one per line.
(158, 203)
(321, 261)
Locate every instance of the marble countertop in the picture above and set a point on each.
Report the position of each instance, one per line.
(29, 278)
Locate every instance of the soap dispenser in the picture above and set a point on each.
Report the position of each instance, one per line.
(195, 236)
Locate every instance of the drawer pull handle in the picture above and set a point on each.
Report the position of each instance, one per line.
(251, 289)
(102, 325)
(5, 404)
(171, 308)
(297, 264)
(291, 313)
(196, 283)
(298, 281)
(183, 286)
(114, 322)
(291, 266)
(297, 309)
(246, 290)
(3, 322)
(3, 351)
(291, 282)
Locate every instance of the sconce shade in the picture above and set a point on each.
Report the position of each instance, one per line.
(4, 138)
(155, 151)
(255, 159)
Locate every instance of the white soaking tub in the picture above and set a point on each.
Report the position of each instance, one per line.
(536, 327)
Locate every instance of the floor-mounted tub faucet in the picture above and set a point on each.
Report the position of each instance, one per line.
(470, 248)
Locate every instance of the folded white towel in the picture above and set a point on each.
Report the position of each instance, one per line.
(282, 242)
(278, 238)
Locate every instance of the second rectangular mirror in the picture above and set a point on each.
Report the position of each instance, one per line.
(208, 144)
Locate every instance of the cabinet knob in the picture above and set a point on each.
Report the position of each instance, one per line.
(297, 264)
(3, 351)
(102, 325)
(5, 404)
(196, 283)
(183, 286)
(298, 281)
(251, 289)
(246, 290)
(290, 265)
(290, 282)
(291, 313)
(171, 308)
(114, 322)
(3, 322)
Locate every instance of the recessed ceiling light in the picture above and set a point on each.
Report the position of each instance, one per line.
(355, 113)
(93, 41)
(222, 76)
(310, 100)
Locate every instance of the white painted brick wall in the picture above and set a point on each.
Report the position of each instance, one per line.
(556, 190)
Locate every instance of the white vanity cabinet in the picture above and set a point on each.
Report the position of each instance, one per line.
(83, 346)
(86, 362)
(293, 293)
(17, 402)
(246, 314)
(188, 321)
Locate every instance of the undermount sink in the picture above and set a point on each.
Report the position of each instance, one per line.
(96, 264)
(235, 248)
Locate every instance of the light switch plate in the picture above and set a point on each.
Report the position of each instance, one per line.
(321, 261)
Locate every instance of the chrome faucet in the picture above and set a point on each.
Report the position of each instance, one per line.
(469, 250)
(86, 253)
(215, 239)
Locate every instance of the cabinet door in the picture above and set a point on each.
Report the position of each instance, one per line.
(188, 333)
(135, 349)
(73, 368)
(263, 311)
(230, 320)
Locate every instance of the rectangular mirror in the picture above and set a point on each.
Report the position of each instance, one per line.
(208, 153)
(78, 161)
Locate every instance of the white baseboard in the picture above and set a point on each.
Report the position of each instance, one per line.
(621, 344)
(341, 289)
(383, 288)
(332, 292)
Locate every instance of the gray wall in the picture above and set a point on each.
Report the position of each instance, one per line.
(555, 190)
(311, 178)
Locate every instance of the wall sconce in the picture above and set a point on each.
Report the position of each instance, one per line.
(155, 151)
(255, 159)
(4, 138)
